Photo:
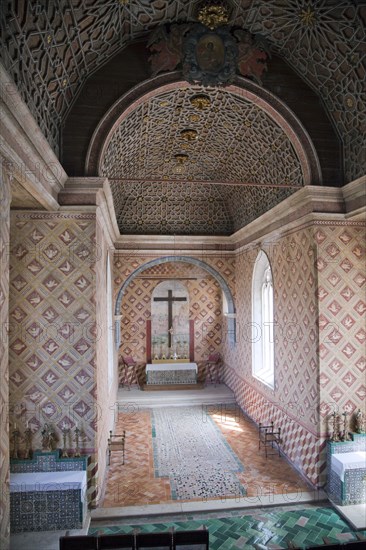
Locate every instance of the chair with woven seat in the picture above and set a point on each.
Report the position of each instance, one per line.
(116, 443)
(212, 367)
(127, 371)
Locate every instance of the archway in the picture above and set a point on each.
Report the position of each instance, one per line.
(231, 325)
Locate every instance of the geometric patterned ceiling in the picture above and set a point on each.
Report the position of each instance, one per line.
(234, 141)
(243, 161)
(50, 49)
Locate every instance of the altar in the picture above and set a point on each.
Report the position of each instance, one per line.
(171, 373)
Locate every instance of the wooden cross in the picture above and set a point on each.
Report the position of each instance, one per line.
(170, 299)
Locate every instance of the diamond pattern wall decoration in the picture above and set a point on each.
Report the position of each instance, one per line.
(205, 301)
(50, 346)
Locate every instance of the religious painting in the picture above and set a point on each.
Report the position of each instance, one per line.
(209, 57)
(170, 321)
(210, 52)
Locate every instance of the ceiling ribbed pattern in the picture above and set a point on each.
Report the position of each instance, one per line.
(236, 142)
(50, 48)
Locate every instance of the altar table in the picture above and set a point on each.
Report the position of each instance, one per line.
(171, 373)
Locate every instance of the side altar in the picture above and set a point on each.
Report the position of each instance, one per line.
(171, 372)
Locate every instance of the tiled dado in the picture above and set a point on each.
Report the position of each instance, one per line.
(48, 462)
(351, 490)
(52, 509)
(46, 510)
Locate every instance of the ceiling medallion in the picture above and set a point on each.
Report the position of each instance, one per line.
(213, 16)
(207, 56)
(189, 134)
(181, 158)
(200, 101)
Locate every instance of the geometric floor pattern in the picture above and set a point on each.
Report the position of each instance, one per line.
(135, 483)
(301, 526)
(185, 439)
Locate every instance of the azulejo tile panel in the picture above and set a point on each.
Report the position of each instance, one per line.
(300, 526)
(53, 325)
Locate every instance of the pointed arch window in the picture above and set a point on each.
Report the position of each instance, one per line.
(262, 321)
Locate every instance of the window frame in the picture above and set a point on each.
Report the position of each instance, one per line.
(263, 356)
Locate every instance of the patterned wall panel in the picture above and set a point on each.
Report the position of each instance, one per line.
(4, 372)
(53, 324)
(105, 402)
(205, 301)
(293, 402)
(342, 309)
(50, 74)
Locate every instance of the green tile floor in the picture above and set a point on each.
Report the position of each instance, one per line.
(302, 525)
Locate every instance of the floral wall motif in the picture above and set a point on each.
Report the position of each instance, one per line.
(342, 309)
(53, 331)
(319, 278)
(292, 405)
(4, 373)
(205, 301)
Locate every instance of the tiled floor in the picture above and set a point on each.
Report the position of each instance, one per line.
(299, 525)
(134, 483)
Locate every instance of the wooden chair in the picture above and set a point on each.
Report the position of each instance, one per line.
(212, 366)
(116, 443)
(127, 371)
(154, 540)
(111, 542)
(79, 542)
(269, 438)
(189, 539)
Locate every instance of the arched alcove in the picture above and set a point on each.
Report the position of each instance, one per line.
(231, 326)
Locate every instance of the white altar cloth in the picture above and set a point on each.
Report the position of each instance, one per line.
(171, 373)
(340, 462)
(48, 481)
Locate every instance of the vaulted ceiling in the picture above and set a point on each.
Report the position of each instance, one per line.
(55, 51)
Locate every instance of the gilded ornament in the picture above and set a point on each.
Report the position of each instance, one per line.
(200, 102)
(308, 17)
(181, 158)
(213, 16)
(189, 134)
(194, 118)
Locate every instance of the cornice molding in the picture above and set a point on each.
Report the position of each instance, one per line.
(25, 148)
(309, 205)
(87, 193)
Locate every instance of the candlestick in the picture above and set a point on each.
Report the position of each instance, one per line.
(335, 435)
(77, 450)
(16, 435)
(65, 431)
(28, 442)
